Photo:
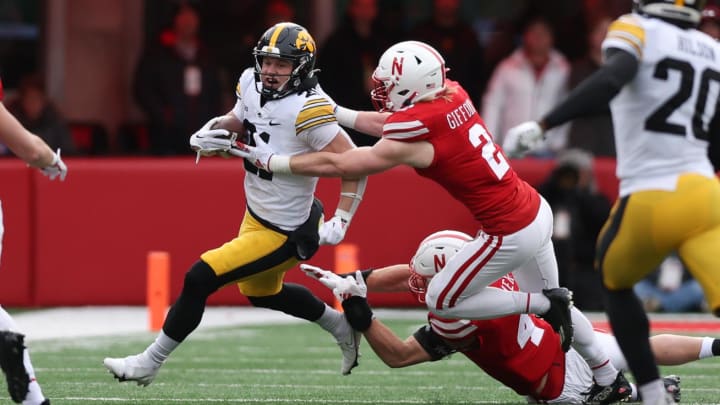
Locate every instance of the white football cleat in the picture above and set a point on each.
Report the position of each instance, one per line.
(349, 342)
(132, 368)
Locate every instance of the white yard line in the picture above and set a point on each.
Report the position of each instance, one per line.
(72, 322)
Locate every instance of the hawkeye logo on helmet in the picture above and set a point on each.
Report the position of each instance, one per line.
(304, 42)
(397, 65)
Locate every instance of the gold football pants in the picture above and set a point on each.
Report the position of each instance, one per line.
(257, 259)
(646, 226)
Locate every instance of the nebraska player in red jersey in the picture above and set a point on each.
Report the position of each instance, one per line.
(521, 351)
(428, 122)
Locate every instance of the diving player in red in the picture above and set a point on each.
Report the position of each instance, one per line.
(520, 351)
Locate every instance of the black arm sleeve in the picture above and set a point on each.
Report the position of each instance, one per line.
(594, 93)
(433, 344)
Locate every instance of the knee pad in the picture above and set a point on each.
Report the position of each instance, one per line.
(201, 280)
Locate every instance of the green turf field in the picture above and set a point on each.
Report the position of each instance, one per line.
(295, 363)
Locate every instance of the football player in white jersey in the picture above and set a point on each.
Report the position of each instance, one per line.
(281, 102)
(661, 77)
(14, 357)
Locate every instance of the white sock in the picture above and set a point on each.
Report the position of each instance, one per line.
(160, 349)
(653, 393)
(586, 343)
(332, 321)
(537, 303)
(34, 395)
(706, 348)
(634, 392)
(6, 321)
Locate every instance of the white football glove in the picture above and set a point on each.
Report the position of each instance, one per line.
(338, 284)
(317, 273)
(259, 155)
(523, 138)
(333, 231)
(208, 141)
(55, 169)
(351, 287)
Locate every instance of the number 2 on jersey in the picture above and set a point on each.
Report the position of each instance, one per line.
(479, 137)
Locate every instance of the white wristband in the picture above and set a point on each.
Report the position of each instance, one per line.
(279, 164)
(346, 117)
(344, 215)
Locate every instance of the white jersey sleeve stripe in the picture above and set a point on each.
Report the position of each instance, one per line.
(402, 125)
(404, 130)
(405, 135)
(453, 330)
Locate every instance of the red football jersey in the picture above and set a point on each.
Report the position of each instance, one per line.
(517, 350)
(467, 162)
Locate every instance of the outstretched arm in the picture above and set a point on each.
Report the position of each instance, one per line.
(385, 154)
(422, 346)
(595, 92)
(361, 161)
(23, 143)
(30, 147)
(391, 349)
(389, 279)
(590, 97)
(367, 122)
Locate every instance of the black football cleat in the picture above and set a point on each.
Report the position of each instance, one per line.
(672, 386)
(618, 391)
(12, 346)
(558, 316)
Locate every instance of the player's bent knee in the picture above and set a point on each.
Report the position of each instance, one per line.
(201, 279)
(431, 298)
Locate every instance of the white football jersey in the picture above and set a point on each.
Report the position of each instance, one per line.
(662, 117)
(295, 124)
